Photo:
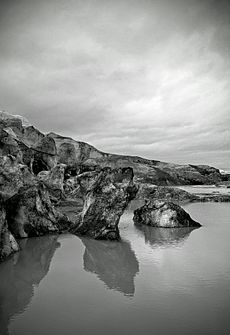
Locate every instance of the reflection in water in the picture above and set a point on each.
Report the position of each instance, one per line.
(20, 273)
(164, 237)
(114, 263)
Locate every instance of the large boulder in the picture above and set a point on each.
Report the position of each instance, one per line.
(8, 244)
(105, 202)
(163, 214)
(31, 213)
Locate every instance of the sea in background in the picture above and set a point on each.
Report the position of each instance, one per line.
(155, 281)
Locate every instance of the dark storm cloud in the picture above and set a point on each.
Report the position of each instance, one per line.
(148, 78)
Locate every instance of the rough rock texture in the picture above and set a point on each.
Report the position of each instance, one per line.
(166, 193)
(30, 213)
(159, 173)
(13, 175)
(45, 155)
(177, 195)
(114, 263)
(8, 244)
(54, 180)
(105, 201)
(73, 152)
(44, 152)
(163, 214)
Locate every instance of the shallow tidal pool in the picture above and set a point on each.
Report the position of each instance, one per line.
(155, 281)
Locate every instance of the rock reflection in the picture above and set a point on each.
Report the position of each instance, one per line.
(20, 273)
(164, 237)
(114, 263)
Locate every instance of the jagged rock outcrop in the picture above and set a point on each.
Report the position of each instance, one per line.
(31, 213)
(8, 244)
(54, 181)
(13, 175)
(163, 214)
(45, 155)
(105, 202)
(43, 152)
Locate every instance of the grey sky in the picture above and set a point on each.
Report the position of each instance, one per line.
(148, 78)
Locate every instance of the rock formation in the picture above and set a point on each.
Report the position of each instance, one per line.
(166, 193)
(31, 213)
(163, 214)
(105, 202)
(54, 181)
(39, 171)
(42, 152)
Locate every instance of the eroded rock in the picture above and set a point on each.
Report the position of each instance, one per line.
(105, 202)
(13, 175)
(31, 213)
(54, 180)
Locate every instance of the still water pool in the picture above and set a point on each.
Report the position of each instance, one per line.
(155, 281)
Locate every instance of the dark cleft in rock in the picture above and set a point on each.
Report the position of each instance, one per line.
(31, 213)
(8, 244)
(163, 214)
(104, 203)
(45, 155)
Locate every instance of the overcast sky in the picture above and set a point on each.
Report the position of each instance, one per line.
(148, 78)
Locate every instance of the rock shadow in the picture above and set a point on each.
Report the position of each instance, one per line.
(20, 273)
(114, 263)
(164, 237)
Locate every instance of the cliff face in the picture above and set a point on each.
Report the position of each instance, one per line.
(42, 152)
(40, 173)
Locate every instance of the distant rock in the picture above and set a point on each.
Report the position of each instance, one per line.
(105, 202)
(165, 193)
(163, 214)
(43, 152)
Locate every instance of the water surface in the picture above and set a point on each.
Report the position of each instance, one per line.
(205, 189)
(155, 281)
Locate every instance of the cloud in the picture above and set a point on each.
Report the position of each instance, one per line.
(147, 78)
